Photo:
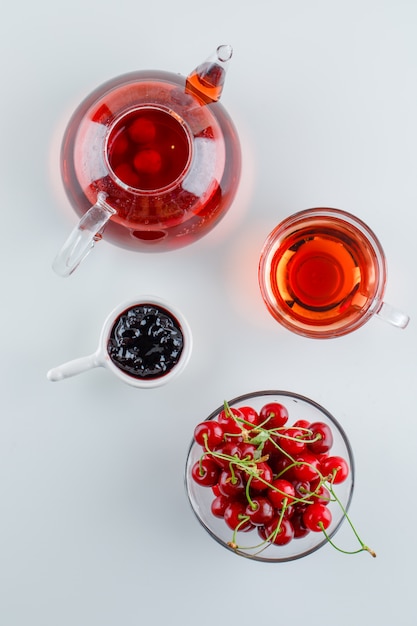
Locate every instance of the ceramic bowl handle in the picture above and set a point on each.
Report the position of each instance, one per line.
(74, 367)
(83, 237)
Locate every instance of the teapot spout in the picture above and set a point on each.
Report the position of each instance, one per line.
(207, 80)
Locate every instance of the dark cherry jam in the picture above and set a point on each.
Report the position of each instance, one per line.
(146, 341)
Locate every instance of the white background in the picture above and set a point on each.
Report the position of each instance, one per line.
(95, 528)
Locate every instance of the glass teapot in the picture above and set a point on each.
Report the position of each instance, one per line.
(150, 161)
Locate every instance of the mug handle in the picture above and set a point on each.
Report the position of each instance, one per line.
(391, 315)
(83, 237)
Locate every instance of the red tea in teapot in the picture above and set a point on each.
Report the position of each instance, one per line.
(148, 149)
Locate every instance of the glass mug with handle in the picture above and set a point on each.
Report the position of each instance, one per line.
(150, 161)
(322, 274)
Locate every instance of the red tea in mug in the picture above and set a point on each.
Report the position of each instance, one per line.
(322, 273)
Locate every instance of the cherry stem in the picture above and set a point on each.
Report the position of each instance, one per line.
(364, 547)
(267, 541)
(247, 493)
(244, 519)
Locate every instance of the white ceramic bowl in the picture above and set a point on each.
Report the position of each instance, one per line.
(101, 357)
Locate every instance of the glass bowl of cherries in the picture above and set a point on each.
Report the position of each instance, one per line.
(270, 476)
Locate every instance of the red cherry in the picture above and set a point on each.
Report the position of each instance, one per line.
(148, 161)
(281, 491)
(247, 451)
(250, 416)
(142, 130)
(235, 515)
(282, 466)
(302, 488)
(119, 146)
(335, 468)
(316, 515)
(219, 504)
(229, 424)
(303, 424)
(228, 449)
(231, 484)
(286, 513)
(126, 174)
(325, 441)
(282, 537)
(315, 482)
(307, 467)
(299, 527)
(292, 440)
(225, 416)
(205, 472)
(274, 414)
(208, 433)
(215, 489)
(265, 476)
(321, 494)
(270, 446)
(263, 513)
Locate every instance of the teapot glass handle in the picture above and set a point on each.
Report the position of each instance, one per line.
(83, 237)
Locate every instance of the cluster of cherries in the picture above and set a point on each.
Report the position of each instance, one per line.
(269, 476)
